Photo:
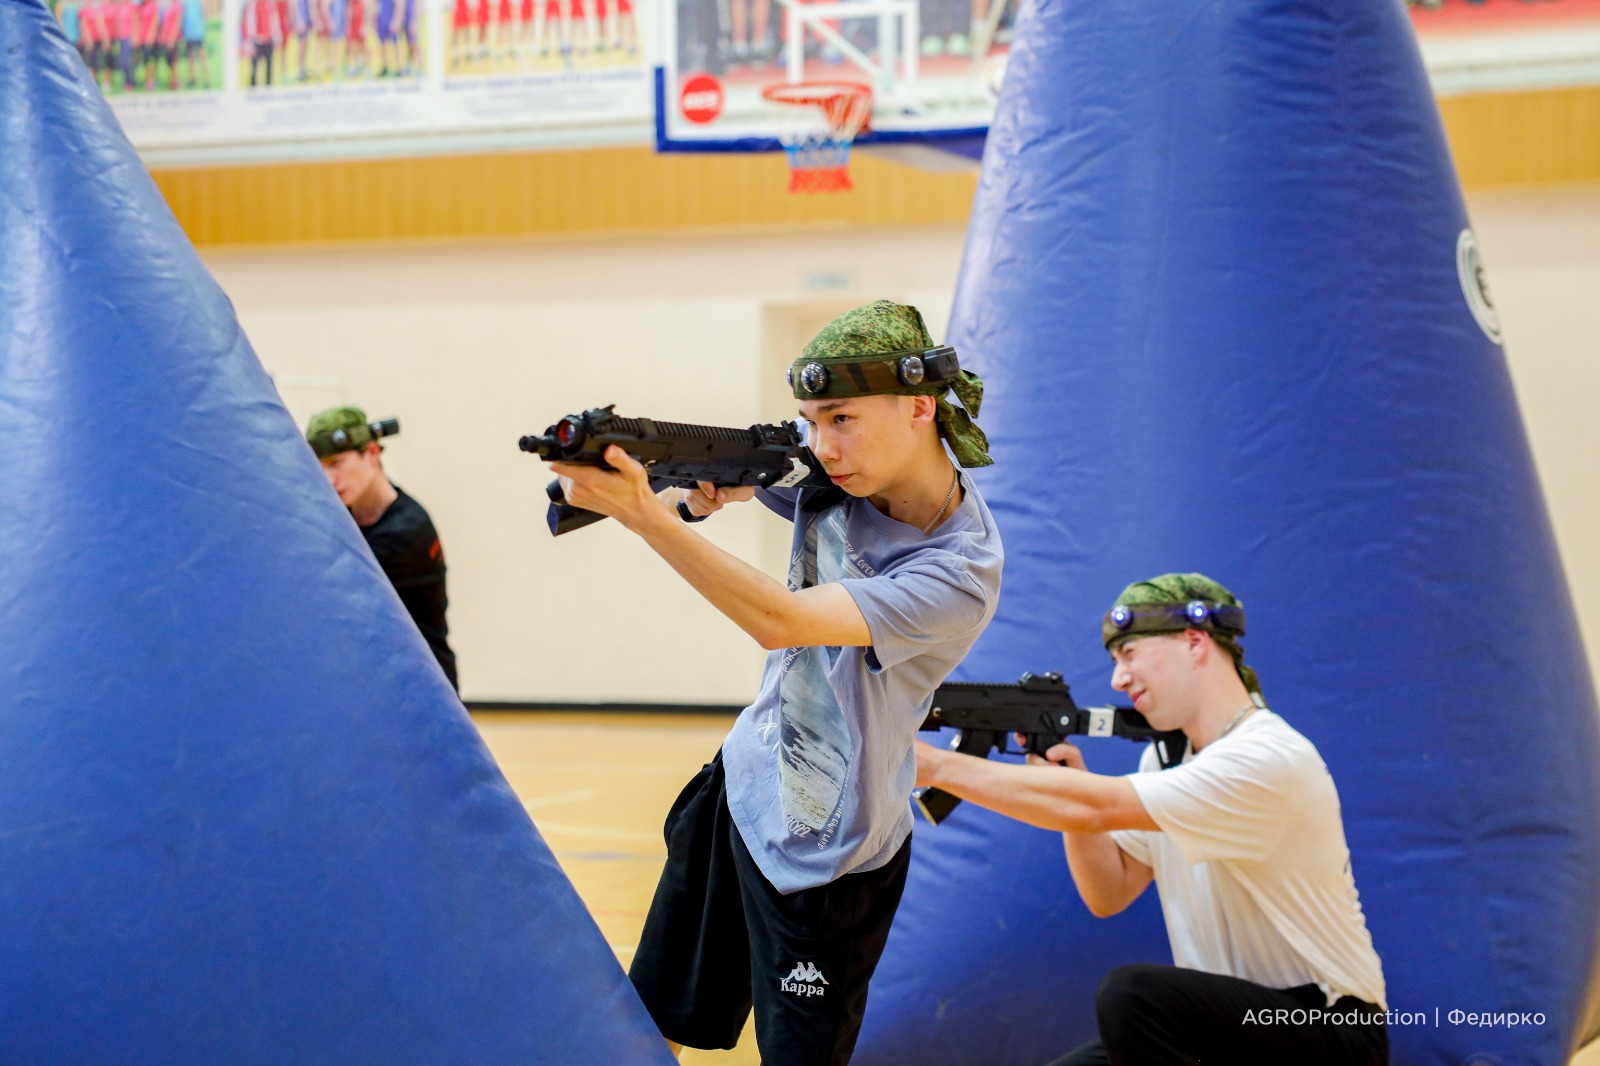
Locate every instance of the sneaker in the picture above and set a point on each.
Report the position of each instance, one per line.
(932, 47)
(957, 44)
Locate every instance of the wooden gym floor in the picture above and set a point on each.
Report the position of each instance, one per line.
(598, 786)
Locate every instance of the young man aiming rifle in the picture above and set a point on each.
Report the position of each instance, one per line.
(787, 854)
(1244, 840)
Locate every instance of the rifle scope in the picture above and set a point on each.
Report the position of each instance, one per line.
(564, 435)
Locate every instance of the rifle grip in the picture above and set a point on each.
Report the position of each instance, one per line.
(564, 518)
(979, 742)
(935, 804)
(1039, 743)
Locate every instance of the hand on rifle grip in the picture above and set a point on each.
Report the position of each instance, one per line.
(1058, 752)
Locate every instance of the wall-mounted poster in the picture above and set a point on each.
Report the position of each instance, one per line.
(214, 80)
(322, 42)
(936, 68)
(523, 36)
(146, 46)
(220, 80)
(1495, 45)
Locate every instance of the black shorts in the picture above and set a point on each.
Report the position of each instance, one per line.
(720, 938)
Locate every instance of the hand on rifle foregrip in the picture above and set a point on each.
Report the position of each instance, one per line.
(621, 487)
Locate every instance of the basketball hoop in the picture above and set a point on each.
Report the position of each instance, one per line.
(822, 119)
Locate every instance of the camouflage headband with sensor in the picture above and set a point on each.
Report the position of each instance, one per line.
(888, 372)
(346, 430)
(1172, 603)
(932, 371)
(1133, 619)
(884, 349)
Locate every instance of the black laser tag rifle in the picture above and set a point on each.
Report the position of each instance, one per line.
(677, 454)
(1041, 708)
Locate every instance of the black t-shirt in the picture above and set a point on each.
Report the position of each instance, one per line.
(407, 547)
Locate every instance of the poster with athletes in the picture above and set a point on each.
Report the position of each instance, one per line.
(135, 47)
(214, 80)
(266, 79)
(288, 43)
(544, 36)
(1493, 45)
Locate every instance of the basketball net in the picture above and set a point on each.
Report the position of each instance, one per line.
(821, 120)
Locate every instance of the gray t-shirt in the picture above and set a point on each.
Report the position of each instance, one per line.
(820, 767)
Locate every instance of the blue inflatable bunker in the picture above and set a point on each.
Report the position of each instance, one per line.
(1223, 286)
(243, 818)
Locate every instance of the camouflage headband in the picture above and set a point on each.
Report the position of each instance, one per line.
(884, 348)
(1173, 603)
(344, 429)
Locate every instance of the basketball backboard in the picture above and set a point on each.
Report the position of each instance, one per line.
(934, 67)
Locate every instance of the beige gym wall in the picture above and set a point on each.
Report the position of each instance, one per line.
(473, 345)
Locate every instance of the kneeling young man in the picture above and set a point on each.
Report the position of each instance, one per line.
(787, 854)
(1244, 840)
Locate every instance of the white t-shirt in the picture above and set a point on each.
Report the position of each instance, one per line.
(1252, 865)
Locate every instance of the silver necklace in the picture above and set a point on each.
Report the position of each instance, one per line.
(1236, 720)
(955, 478)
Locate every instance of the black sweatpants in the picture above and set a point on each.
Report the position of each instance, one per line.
(720, 938)
(1167, 1016)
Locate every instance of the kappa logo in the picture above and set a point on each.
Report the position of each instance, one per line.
(804, 980)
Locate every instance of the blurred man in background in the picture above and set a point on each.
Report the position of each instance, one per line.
(396, 528)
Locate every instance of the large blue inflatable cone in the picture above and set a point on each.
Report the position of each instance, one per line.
(243, 818)
(1222, 284)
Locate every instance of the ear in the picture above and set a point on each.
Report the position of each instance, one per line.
(923, 410)
(1199, 644)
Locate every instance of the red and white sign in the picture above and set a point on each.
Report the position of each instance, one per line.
(701, 99)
